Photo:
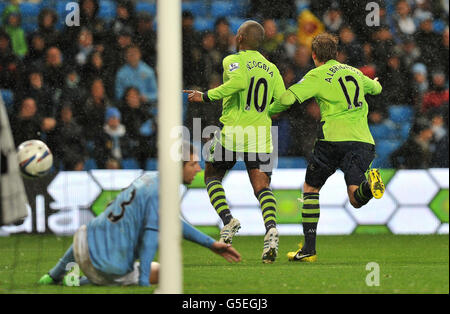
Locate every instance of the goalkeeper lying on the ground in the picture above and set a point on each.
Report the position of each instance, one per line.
(107, 249)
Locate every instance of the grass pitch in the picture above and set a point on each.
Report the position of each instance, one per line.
(408, 264)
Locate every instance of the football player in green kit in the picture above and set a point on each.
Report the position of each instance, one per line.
(250, 83)
(344, 140)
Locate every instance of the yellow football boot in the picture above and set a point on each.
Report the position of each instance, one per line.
(299, 256)
(376, 183)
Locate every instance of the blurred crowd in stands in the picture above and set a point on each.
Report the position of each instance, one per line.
(91, 91)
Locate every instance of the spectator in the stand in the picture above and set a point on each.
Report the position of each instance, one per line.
(140, 125)
(190, 41)
(415, 153)
(290, 44)
(47, 20)
(411, 53)
(36, 50)
(12, 24)
(67, 141)
(437, 96)
(208, 60)
(88, 19)
(396, 90)
(114, 54)
(73, 91)
(350, 46)
(333, 18)
(271, 9)
(36, 88)
(273, 40)
(445, 52)
(383, 43)
(428, 41)
(92, 115)
(420, 83)
(112, 164)
(54, 70)
(225, 41)
(440, 149)
(26, 124)
(116, 140)
(11, 67)
(126, 17)
(85, 47)
(302, 62)
(138, 74)
(309, 26)
(403, 20)
(145, 38)
(96, 67)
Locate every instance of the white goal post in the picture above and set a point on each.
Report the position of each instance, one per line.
(169, 55)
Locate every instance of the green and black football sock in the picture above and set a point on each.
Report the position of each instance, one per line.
(363, 194)
(310, 218)
(268, 207)
(218, 201)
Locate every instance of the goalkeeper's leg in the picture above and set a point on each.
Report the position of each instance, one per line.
(57, 273)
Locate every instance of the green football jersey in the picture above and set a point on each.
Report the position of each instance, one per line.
(250, 84)
(339, 89)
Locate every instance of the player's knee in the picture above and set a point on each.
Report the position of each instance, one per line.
(310, 189)
(355, 203)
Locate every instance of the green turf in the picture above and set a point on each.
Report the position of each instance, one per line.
(408, 264)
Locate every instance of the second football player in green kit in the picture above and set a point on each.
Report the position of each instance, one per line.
(343, 141)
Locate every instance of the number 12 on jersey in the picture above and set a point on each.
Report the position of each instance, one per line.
(355, 103)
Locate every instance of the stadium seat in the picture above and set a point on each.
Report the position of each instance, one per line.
(240, 165)
(292, 162)
(439, 26)
(302, 5)
(61, 11)
(2, 6)
(130, 163)
(224, 8)
(147, 128)
(204, 24)
(151, 164)
(8, 98)
(235, 22)
(384, 148)
(197, 8)
(146, 7)
(29, 27)
(90, 164)
(383, 131)
(29, 9)
(107, 10)
(405, 129)
(382, 162)
(401, 114)
(29, 12)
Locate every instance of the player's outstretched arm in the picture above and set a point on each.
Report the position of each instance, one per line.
(286, 100)
(226, 251)
(194, 95)
(372, 87)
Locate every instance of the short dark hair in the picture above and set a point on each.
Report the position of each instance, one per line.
(325, 47)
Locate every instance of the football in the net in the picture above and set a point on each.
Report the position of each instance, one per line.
(35, 158)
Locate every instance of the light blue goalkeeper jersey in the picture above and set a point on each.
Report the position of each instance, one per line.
(128, 230)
